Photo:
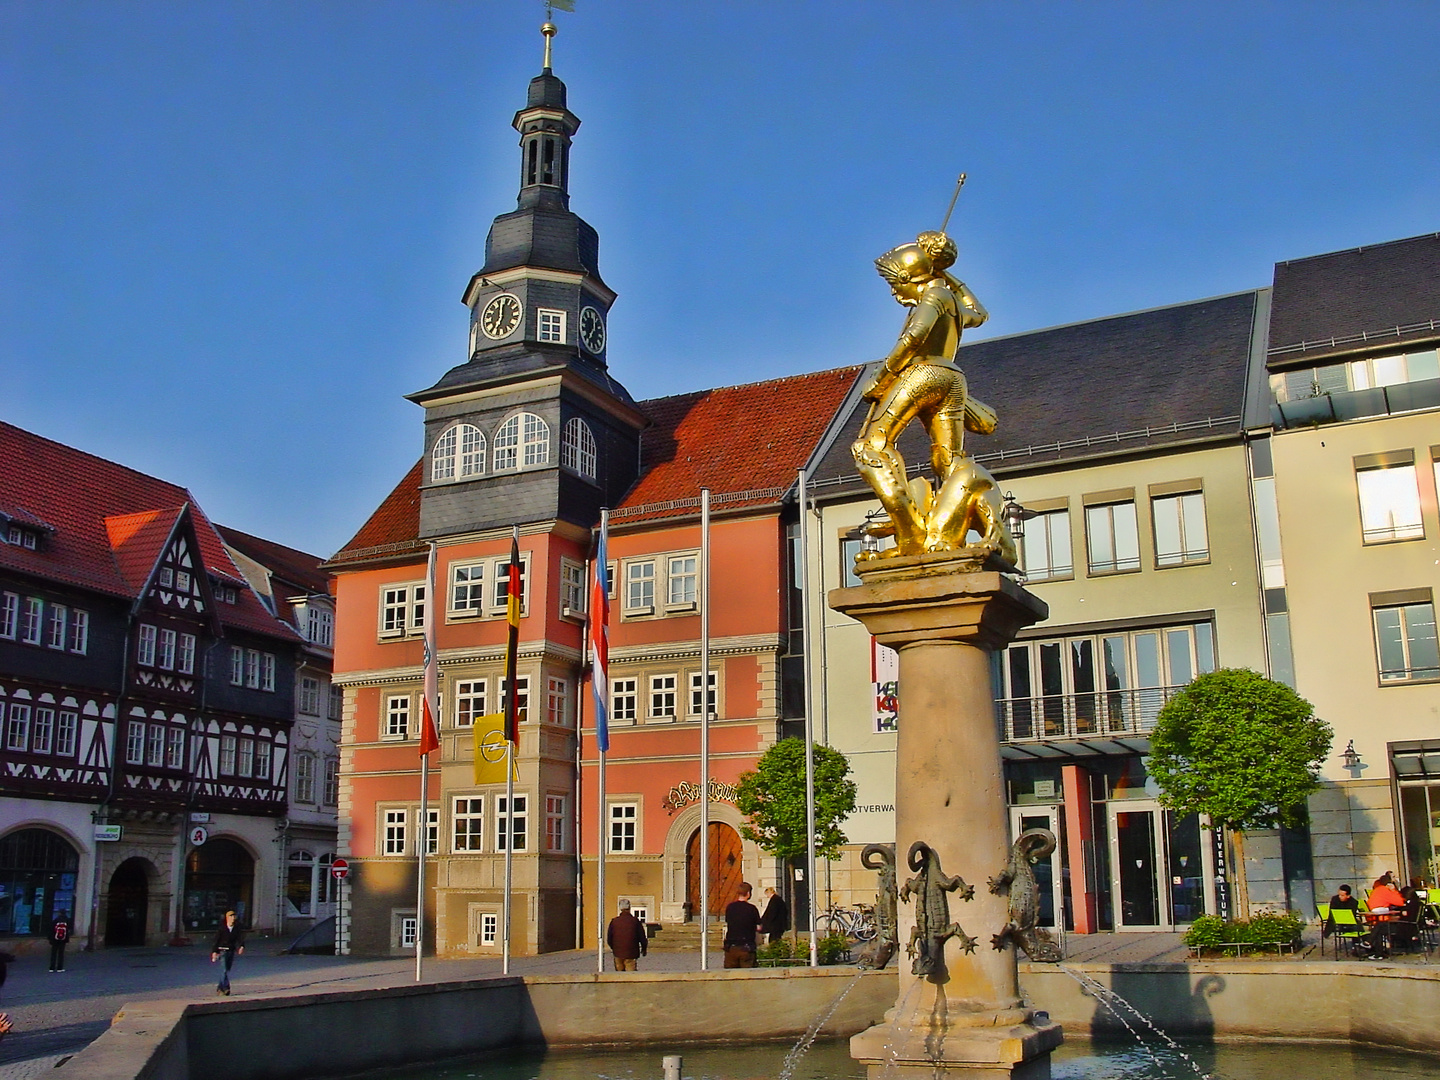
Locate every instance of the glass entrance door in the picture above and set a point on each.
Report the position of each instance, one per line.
(1049, 882)
(1159, 879)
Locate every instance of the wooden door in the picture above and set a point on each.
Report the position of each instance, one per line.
(725, 868)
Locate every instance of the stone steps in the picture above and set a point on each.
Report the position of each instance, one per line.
(685, 937)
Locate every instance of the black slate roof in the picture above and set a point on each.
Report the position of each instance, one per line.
(1115, 385)
(1349, 300)
(523, 360)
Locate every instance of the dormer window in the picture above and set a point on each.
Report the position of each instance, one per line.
(22, 537)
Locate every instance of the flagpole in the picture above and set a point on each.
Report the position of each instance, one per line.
(705, 729)
(429, 740)
(420, 872)
(600, 687)
(512, 735)
(811, 633)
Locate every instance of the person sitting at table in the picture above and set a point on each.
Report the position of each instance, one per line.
(1384, 898)
(1342, 899)
(1386, 906)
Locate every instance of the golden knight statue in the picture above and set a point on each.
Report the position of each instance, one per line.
(920, 379)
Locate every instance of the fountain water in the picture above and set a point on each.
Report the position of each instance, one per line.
(1118, 1006)
(792, 1059)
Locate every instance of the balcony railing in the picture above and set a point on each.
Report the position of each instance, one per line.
(1101, 715)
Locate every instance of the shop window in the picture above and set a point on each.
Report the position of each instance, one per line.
(38, 875)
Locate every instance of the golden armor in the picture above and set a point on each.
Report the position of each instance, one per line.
(919, 379)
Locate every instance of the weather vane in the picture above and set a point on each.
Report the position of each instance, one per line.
(550, 29)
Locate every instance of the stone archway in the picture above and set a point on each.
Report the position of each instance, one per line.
(684, 831)
(127, 902)
(219, 877)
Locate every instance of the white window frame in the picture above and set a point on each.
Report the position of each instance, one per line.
(135, 743)
(522, 696)
(467, 588)
(155, 746)
(578, 450)
(1177, 522)
(623, 831)
(664, 697)
(42, 729)
(228, 747)
(489, 929)
(237, 666)
(1045, 534)
(520, 822)
(267, 672)
(1389, 498)
(32, 620)
(682, 583)
(409, 931)
(166, 649)
(430, 832)
(624, 700)
(79, 631)
(55, 627)
(714, 694)
(534, 441)
(252, 669)
(557, 817)
(263, 760)
(9, 615)
(17, 728)
(500, 576)
(174, 747)
(319, 625)
(67, 730)
(396, 726)
(443, 454)
(1408, 617)
(572, 589)
(471, 699)
(245, 760)
(402, 609)
(145, 645)
(331, 792)
(305, 777)
(395, 833)
(467, 824)
(550, 325)
(640, 586)
(1110, 560)
(309, 695)
(185, 664)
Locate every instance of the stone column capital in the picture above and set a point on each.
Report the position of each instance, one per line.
(930, 600)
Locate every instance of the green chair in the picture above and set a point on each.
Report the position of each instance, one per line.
(1345, 927)
(1323, 911)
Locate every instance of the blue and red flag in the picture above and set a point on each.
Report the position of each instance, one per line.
(600, 639)
(512, 644)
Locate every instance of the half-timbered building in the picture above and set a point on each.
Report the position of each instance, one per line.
(146, 692)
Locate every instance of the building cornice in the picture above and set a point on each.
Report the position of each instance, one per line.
(690, 649)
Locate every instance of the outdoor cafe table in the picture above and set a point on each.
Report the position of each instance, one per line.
(1382, 923)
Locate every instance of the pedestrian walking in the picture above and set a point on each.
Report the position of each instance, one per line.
(59, 935)
(626, 938)
(741, 923)
(229, 943)
(776, 918)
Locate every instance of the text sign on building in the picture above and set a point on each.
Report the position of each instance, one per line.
(885, 673)
(685, 793)
(198, 835)
(339, 869)
(199, 818)
(109, 833)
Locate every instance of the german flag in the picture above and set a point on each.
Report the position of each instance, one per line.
(512, 646)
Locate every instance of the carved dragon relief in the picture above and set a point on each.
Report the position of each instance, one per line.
(877, 954)
(1019, 880)
(932, 910)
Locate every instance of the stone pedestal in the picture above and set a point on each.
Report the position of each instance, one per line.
(946, 619)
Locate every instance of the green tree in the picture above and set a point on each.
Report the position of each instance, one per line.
(1245, 750)
(773, 799)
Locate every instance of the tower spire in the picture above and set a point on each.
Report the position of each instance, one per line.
(549, 29)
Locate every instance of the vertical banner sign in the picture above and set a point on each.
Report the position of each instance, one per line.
(1222, 876)
(885, 673)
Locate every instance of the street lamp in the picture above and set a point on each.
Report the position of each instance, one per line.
(1351, 756)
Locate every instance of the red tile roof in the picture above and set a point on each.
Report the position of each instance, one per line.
(745, 443)
(108, 520)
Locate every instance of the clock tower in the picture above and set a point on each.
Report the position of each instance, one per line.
(531, 427)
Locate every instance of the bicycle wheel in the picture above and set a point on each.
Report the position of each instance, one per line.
(828, 924)
(865, 930)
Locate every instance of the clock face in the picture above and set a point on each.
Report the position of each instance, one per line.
(501, 316)
(592, 329)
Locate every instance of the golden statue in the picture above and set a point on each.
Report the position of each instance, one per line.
(920, 379)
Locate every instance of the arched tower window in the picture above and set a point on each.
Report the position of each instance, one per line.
(577, 448)
(522, 441)
(472, 450)
(442, 458)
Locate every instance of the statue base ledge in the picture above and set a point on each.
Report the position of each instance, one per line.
(966, 560)
(1019, 1051)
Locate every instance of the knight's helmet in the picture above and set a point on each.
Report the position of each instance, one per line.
(930, 255)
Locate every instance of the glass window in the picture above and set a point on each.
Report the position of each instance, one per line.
(66, 728)
(432, 830)
(262, 760)
(30, 621)
(467, 587)
(577, 448)
(1406, 642)
(472, 450)
(55, 627)
(682, 575)
(305, 778)
(42, 731)
(1045, 547)
(522, 695)
(501, 596)
(394, 604)
(662, 695)
(517, 828)
(555, 822)
(337, 701)
(442, 458)
(397, 717)
(623, 695)
(395, 839)
(469, 702)
(489, 928)
(1389, 504)
(640, 586)
(237, 666)
(557, 701)
(9, 615)
(17, 731)
(319, 625)
(572, 587)
(145, 649)
(409, 931)
(468, 823)
(227, 755)
(535, 446)
(695, 693)
(309, 696)
(267, 671)
(507, 445)
(135, 744)
(1114, 538)
(186, 663)
(252, 669)
(1180, 535)
(80, 633)
(332, 781)
(246, 764)
(175, 747)
(155, 746)
(552, 325)
(624, 818)
(165, 654)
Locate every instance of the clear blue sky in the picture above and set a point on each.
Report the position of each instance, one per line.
(233, 234)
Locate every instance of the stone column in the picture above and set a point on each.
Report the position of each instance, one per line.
(946, 619)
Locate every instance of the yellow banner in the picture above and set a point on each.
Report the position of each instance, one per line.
(490, 749)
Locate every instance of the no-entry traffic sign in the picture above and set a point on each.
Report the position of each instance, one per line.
(339, 869)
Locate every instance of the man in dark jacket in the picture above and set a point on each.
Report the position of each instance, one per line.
(741, 922)
(776, 918)
(59, 935)
(626, 938)
(229, 943)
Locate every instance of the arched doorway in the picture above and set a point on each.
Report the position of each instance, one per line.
(726, 868)
(38, 870)
(219, 877)
(126, 904)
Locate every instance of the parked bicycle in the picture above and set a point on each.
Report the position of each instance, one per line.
(857, 922)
